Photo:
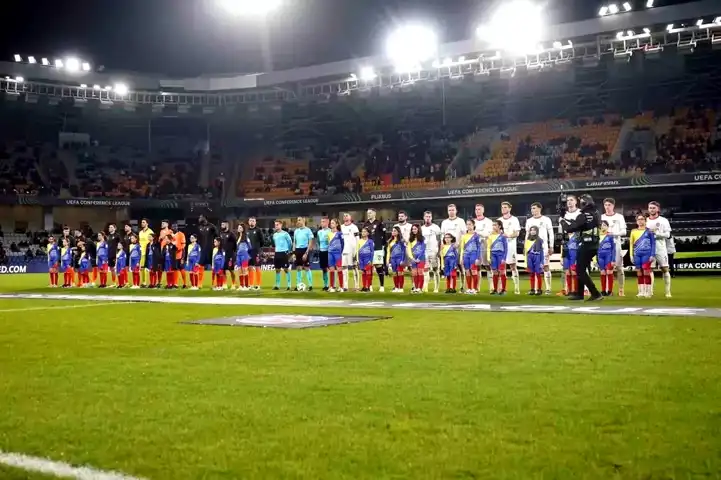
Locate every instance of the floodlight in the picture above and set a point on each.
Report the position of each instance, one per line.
(603, 11)
(18, 58)
(31, 59)
(19, 79)
(447, 61)
(630, 33)
(367, 74)
(627, 6)
(461, 59)
(699, 22)
(619, 36)
(121, 89)
(521, 16)
(613, 9)
(96, 87)
(410, 45)
(108, 87)
(717, 20)
(649, 4)
(45, 61)
(83, 85)
(647, 30)
(436, 64)
(72, 64)
(669, 27)
(249, 7)
(58, 63)
(86, 67)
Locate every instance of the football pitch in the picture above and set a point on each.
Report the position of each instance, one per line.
(127, 386)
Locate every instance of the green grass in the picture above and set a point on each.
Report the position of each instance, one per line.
(422, 395)
(697, 254)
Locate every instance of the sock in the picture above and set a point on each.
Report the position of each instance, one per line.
(609, 282)
(533, 281)
(539, 281)
(325, 278)
(426, 279)
(652, 277)
(277, 279)
(514, 276)
(184, 274)
(114, 276)
(298, 276)
(95, 274)
(476, 281)
(104, 278)
(448, 283)
(201, 274)
(495, 282)
(667, 282)
(341, 278)
(382, 277)
(453, 281)
(548, 278)
(603, 281)
(332, 279)
(402, 279)
(621, 278)
(569, 283)
(504, 279)
(356, 278)
(574, 283)
(259, 277)
(469, 282)
(422, 280)
(309, 277)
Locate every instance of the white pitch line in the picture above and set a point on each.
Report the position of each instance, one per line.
(59, 469)
(58, 307)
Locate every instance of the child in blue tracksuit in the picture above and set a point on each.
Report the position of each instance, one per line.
(642, 243)
(396, 258)
(121, 262)
(53, 261)
(606, 257)
(218, 265)
(66, 263)
(497, 254)
(135, 258)
(84, 266)
(570, 258)
(535, 257)
(335, 254)
(366, 248)
(449, 261)
(193, 262)
(102, 255)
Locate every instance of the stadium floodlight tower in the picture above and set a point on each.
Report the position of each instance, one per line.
(515, 27)
(411, 45)
(249, 7)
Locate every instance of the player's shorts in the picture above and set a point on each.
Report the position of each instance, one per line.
(534, 263)
(253, 260)
(485, 262)
(365, 262)
(169, 265)
(605, 261)
(348, 259)
(335, 259)
(419, 265)
(378, 257)
(323, 260)
(206, 256)
(66, 268)
(511, 255)
(469, 263)
(135, 267)
(618, 255)
(228, 264)
(53, 266)
(397, 265)
(299, 262)
(280, 260)
(242, 262)
(104, 267)
(449, 269)
(569, 262)
(660, 260)
(642, 262)
(498, 261)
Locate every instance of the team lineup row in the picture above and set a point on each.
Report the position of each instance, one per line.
(456, 250)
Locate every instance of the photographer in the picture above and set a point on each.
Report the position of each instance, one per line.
(586, 224)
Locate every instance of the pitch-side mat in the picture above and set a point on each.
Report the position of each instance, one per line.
(572, 308)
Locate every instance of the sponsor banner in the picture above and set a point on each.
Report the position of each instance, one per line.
(328, 302)
(702, 264)
(115, 203)
(14, 269)
(280, 320)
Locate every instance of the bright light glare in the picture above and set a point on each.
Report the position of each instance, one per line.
(19, 79)
(249, 7)
(45, 61)
(619, 35)
(557, 44)
(86, 67)
(649, 4)
(410, 45)
(367, 74)
(647, 30)
(18, 58)
(603, 11)
(32, 60)
(108, 87)
(520, 16)
(121, 89)
(96, 87)
(613, 8)
(627, 6)
(72, 64)
(58, 63)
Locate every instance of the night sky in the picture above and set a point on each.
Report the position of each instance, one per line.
(191, 37)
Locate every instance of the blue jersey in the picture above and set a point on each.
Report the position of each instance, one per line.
(66, 257)
(134, 255)
(418, 251)
(335, 243)
(572, 245)
(242, 252)
(193, 254)
(218, 259)
(282, 242)
(323, 238)
(121, 260)
(606, 246)
(53, 254)
(397, 250)
(102, 252)
(471, 245)
(366, 249)
(302, 237)
(499, 245)
(84, 262)
(645, 244)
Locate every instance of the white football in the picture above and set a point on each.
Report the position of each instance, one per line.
(301, 287)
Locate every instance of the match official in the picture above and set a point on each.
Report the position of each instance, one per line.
(587, 225)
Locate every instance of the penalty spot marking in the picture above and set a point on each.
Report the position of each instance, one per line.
(571, 308)
(59, 469)
(57, 307)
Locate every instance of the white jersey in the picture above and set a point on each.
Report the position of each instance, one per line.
(484, 227)
(350, 238)
(570, 216)
(405, 230)
(431, 236)
(616, 226)
(456, 227)
(662, 229)
(545, 229)
(511, 226)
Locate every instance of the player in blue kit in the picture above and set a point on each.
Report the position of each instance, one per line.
(218, 264)
(366, 249)
(303, 242)
(53, 252)
(192, 264)
(497, 254)
(336, 244)
(449, 261)
(535, 256)
(102, 258)
(606, 259)
(323, 235)
(396, 258)
(283, 244)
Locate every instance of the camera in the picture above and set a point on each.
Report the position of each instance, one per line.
(561, 204)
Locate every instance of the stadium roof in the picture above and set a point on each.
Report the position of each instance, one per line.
(563, 32)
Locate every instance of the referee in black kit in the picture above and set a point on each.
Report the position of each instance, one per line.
(586, 227)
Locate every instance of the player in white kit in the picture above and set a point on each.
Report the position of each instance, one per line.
(662, 229)
(431, 236)
(511, 229)
(350, 247)
(484, 228)
(547, 236)
(404, 225)
(455, 226)
(616, 229)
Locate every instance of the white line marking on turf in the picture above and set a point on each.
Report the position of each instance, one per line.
(59, 469)
(58, 307)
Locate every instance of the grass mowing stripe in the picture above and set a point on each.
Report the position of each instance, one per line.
(58, 469)
(59, 307)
